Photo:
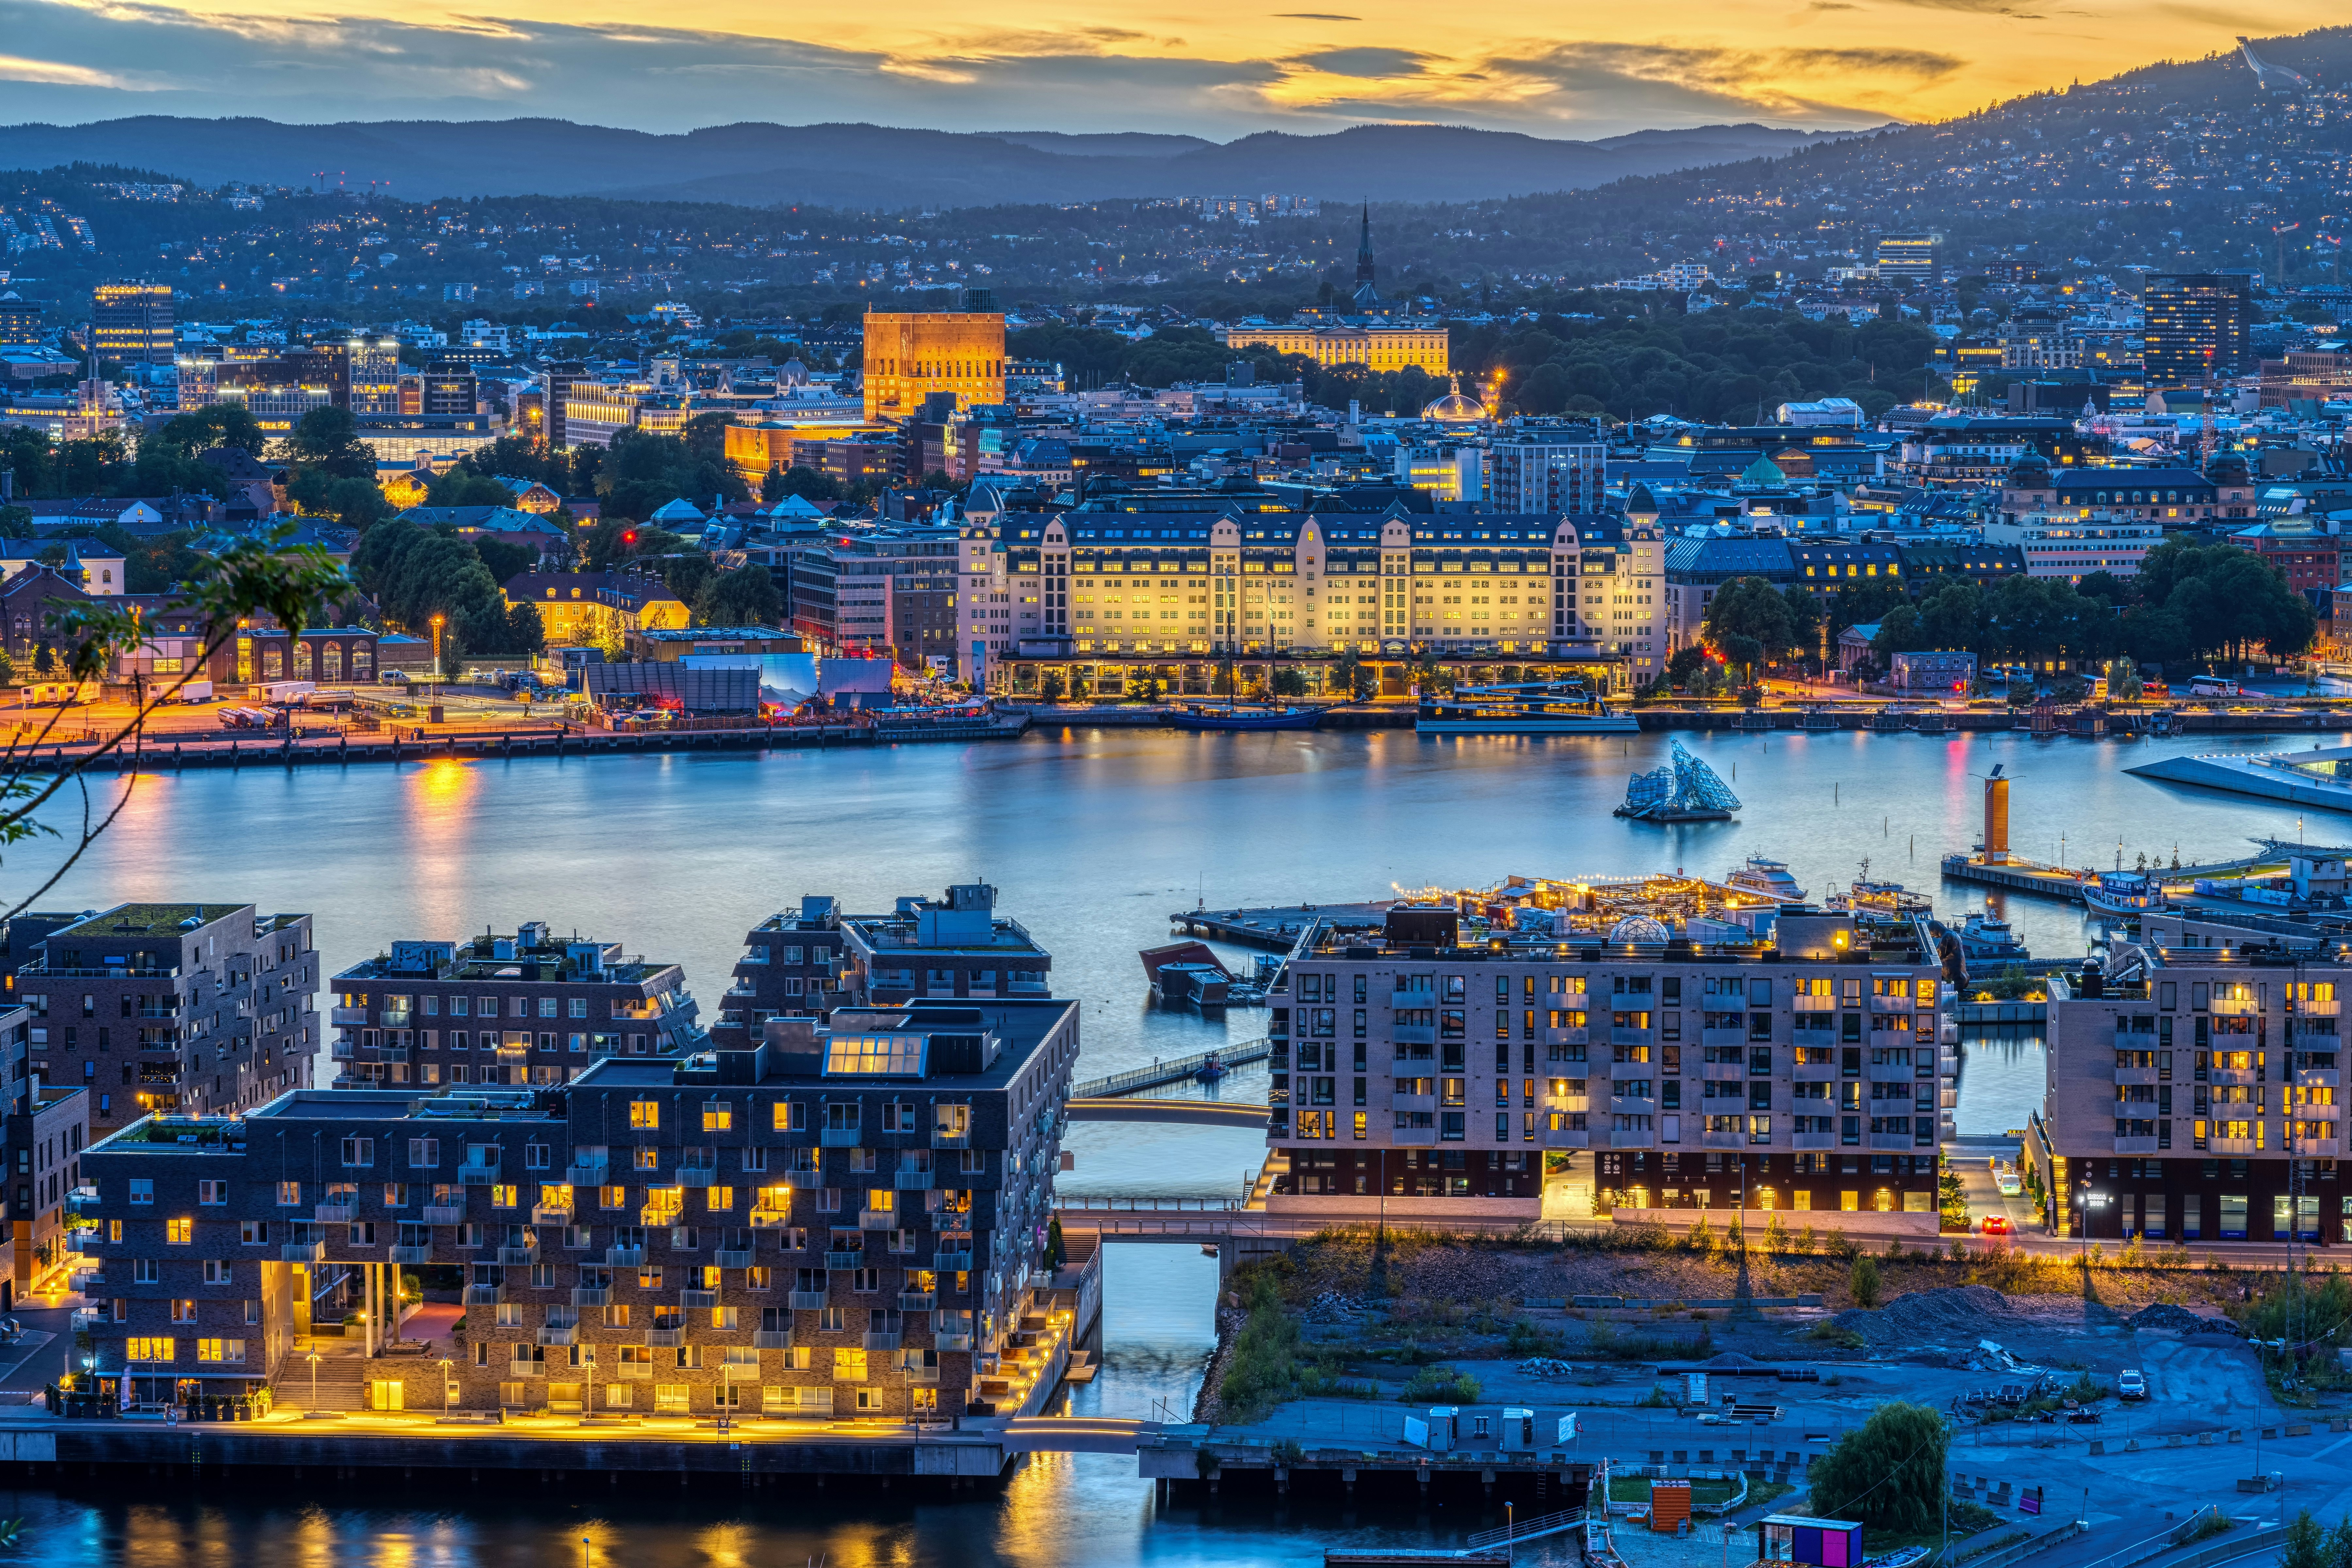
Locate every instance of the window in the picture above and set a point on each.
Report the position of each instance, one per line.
(644, 1113)
(179, 1233)
(424, 1153)
(215, 1271)
(849, 1366)
(228, 1350)
(212, 1192)
(359, 1151)
(718, 1116)
(142, 1189)
(252, 1232)
(150, 1349)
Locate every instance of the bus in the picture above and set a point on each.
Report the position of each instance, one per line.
(2213, 686)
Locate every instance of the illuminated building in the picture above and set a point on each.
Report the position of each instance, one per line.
(842, 1218)
(529, 1008)
(134, 987)
(1908, 259)
(1416, 1077)
(911, 355)
(2195, 324)
(130, 323)
(594, 609)
(1374, 348)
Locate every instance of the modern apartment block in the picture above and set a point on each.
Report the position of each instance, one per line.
(46, 1128)
(1414, 1076)
(806, 964)
(2194, 1096)
(835, 1220)
(206, 1007)
(529, 1008)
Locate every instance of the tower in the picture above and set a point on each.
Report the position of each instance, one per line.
(1364, 250)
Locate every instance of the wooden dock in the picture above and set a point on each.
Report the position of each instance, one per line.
(2018, 876)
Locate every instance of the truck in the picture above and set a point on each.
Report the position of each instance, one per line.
(285, 693)
(45, 693)
(193, 692)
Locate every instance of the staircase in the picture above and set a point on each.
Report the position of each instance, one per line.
(1078, 1246)
(343, 1380)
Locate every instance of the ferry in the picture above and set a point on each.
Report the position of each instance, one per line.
(2123, 893)
(1769, 877)
(1878, 902)
(1233, 716)
(1563, 708)
(1985, 938)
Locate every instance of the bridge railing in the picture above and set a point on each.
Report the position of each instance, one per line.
(1172, 1070)
(1149, 1204)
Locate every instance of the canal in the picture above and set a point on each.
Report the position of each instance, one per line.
(1092, 838)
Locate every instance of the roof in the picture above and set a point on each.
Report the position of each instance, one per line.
(697, 690)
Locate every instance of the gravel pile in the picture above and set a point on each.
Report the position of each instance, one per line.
(2167, 1318)
(1966, 1313)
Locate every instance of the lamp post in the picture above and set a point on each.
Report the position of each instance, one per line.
(445, 1386)
(314, 1380)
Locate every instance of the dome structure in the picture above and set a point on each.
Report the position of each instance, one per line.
(792, 373)
(1640, 928)
(1454, 408)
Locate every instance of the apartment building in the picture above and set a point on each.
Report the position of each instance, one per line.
(529, 1008)
(806, 964)
(1547, 470)
(46, 1130)
(841, 1220)
(206, 1007)
(1414, 1076)
(2194, 1095)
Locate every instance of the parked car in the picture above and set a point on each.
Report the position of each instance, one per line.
(1995, 1225)
(2131, 1384)
(393, 677)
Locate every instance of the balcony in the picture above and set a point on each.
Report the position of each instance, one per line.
(692, 1300)
(624, 1256)
(738, 1371)
(2319, 1078)
(2135, 1075)
(877, 1219)
(917, 1301)
(591, 1295)
(921, 1374)
(485, 1295)
(2136, 1145)
(1813, 1140)
(950, 1262)
(1412, 1137)
(1722, 1140)
(344, 1051)
(1892, 1143)
(1733, 1038)
(804, 1181)
(634, 1369)
(837, 1137)
(1814, 1071)
(660, 1216)
(347, 1018)
(412, 1254)
(1412, 1102)
(666, 1339)
(845, 1259)
(1892, 1005)
(804, 1301)
(769, 1218)
(2247, 1076)
(392, 1054)
(950, 1140)
(549, 1214)
(1632, 1140)
(1413, 1033)
(517, 1257)
(955, 1342)
(2318, 1148)
(477, 1175)
(1562, 1138)
(915, 1181)
(1633, 1105)
(303, 1252)
(2245, 1007)
(444, 1213)
(695, 1175)
(565, 1336)
(332, 1213)
(882, 1341)
(587, 1176)
(732, 1257)
(772, 1339)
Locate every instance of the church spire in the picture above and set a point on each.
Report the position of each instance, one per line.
(1364, 247)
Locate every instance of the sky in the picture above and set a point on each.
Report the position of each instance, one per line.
(1217, 70)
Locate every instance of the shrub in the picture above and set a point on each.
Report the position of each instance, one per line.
(1862, 1280)
(1441, 1386)
(1888, 1475)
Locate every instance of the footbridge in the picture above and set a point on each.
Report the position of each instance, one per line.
(1186, 1113)
(1076, 1435)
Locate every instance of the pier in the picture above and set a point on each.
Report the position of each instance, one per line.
(1175, 1070)
(1276, 930)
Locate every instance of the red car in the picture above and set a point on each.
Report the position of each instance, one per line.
(1996, 1225)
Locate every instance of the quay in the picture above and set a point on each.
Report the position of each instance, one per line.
(1277, 929)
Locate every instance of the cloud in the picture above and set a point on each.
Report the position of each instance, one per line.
(1977, 7)
(1367, 62)
(1316, 17)
(14, 69)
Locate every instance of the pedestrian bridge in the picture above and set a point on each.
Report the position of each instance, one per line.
(1187, 1113)
(1076, 1435)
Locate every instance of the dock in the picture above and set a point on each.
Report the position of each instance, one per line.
(1277, 929)
(2018, 876)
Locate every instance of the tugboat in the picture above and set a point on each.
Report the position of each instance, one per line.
(1986, 938)
(1769, 877)
(1209, 1070)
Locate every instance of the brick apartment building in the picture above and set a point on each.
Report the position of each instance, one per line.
(529, 1008)
(206, 1007)
(840, 1220)
(1416, 1077)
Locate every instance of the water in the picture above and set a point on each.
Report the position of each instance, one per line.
(1093, 838)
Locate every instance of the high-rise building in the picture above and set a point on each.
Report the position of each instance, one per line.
(2195, 324)
(20, 321)
(130, 323)
(363, 375)
(1564, 469)
(911, 354)
(1909, 259)
(159, 1006)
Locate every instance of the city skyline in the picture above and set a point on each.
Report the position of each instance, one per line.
(1824, 65)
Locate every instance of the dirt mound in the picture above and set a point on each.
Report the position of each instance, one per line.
(2167, 1318)
(1965, 1313)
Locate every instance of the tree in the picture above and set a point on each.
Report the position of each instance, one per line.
(747, 597)
(1900, 631)
(1748, 622)
(327, 440)
(461, 486)
(1685, 664)
(504, 560)
(1953, 617)
(1889, 1475)
(416, 573)
(2123, 681)
(215, 424)
(1862, 1280)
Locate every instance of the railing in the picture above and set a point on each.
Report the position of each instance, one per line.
(666, 1339)
(877, 1219)
(804, 1301)
(1525, 1529)
(332, 1213)
(587, 1175)
(624, 1256)
(1146, 1204)
(947, 1342)
(845, 1259)
(1171, 1072)
(444, 1214)
(517, 1257)
(303, 1252)
(412, 1254)
(565, 1336)
(772, 1339)
(591, 1295)
(915, 1181)
(732, 1257)
(485, 1295)
(882, 1341)
(917, 1301)
(837, 1137)
(950, 1262)
(804, 1180)
(697, 1301)
(549, 1214)
(477, 1175)
(697, 1175)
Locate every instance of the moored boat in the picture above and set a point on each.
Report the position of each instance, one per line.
(1242, 716)
(1559, 707)
(1769, 877)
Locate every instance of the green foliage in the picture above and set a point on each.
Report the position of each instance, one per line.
(1290, 682)
(1441, 1386)
(216, 424)
(1748, 621)
(643, 473)
(415, 574)
(1262, 1370)
(799, 480)
(1889, 1475)
(747, 597)
(326, 440)
(461, 486)
(1831, 1334)
(1863, 1280)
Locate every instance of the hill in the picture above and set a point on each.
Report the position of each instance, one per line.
(867, 166)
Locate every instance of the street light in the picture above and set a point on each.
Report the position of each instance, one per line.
(445, 1386)
(314, 1380)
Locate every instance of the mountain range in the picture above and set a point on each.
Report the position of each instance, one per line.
(871, 166)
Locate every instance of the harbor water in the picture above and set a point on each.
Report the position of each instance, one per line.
(1093, 838)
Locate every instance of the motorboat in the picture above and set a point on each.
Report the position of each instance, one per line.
(1242, 716)
(1768, 877)
(1878, 902)
(2123, 893)
(1986, 938)
(1542, 707)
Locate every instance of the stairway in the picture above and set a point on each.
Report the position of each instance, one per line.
(341, 1385)
(1078, 1246)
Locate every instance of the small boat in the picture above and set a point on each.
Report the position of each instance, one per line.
(1209, 1070)
(2123, 893)
(1769, 877)
(1878, 902)
(1986, 938)
(1237, 716)
(1685, 790)
(1540, 707)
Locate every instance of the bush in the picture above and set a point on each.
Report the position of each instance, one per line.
(1441, 1386)
(1862, 1280)
(1262, 1370)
